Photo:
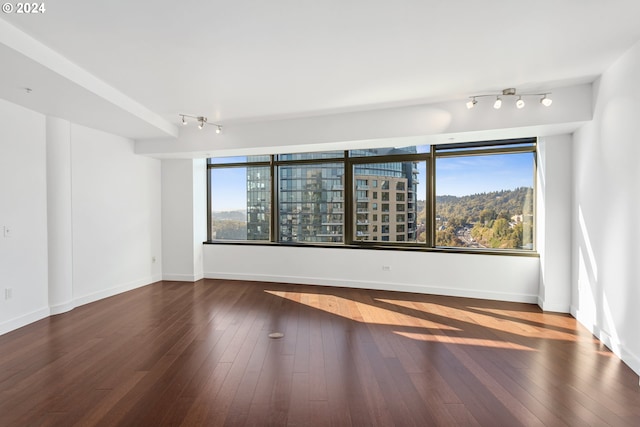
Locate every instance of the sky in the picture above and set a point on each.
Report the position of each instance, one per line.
(456, 176)
(230, 189)
(462, 176)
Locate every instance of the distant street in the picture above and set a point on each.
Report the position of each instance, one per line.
(464, 234)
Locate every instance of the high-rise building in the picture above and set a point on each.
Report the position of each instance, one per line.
(258, 202)
(311, 200)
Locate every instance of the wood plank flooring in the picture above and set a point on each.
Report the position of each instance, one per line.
(182, 354)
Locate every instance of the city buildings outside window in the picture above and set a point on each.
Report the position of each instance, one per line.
(477, 196)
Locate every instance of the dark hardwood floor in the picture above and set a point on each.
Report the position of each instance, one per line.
(200, 354)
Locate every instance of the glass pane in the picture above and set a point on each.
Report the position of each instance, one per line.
(485, 201)
(476, 146)
(312, 156)
(390, 151)
(237, 159)
(401, 184)
(311, 202)
(240, 203)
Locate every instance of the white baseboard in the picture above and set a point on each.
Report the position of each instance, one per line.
(554, 308)
(24, 320)
(386, 286)
(630, 359)
(62, 308)
(115, 290)
(574, 311)
(182, 277)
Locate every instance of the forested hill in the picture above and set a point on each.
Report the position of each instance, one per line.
(485, 206)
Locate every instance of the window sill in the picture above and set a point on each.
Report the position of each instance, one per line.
(374, 246)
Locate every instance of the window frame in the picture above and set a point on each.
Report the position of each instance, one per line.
(230, 165)
(469, 149)
(520, 145)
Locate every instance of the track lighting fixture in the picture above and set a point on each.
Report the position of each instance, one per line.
(544, 100)
(201, 121)
(472, 103)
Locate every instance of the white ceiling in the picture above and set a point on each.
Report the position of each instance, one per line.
(240, 61)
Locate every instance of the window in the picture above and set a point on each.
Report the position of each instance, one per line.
(240, 203)
(307, 198)
(482, 197)
(401, 182)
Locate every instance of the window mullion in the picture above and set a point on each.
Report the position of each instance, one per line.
(430, 203)
(347, 206)
(275, 208)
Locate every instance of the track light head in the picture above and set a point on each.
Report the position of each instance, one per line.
(472, 103)
(202, 120)
(546, 101)
(498, 103)
(520, 103)
(218, 128)
(184, 122)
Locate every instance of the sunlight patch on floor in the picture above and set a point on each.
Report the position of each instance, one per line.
(366, 313)
(464, 341)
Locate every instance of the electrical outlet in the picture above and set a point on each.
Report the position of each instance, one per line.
(386, 268)
(153, 260)
(7, 231)
(8, 293)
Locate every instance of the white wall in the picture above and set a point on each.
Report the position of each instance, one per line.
(606, 235)
(116, 215)
(84, 215)
(505, 278)
(59, 215)
(183, 218)
(199, 234)
(23, 208)
(553, 221)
